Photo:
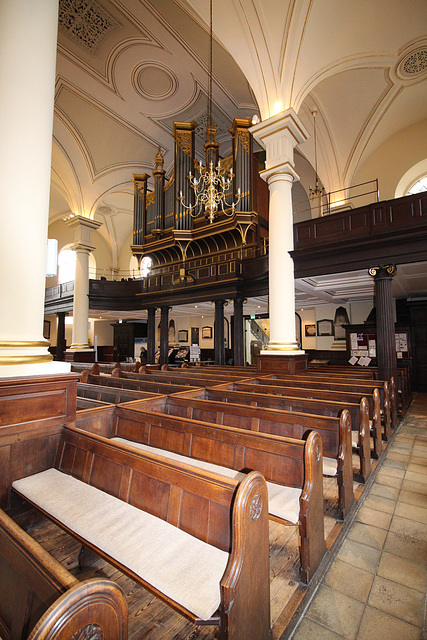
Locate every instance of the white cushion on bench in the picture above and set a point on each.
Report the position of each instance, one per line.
(355, 439)
(283, 502)
(330, 466)
(184, 568)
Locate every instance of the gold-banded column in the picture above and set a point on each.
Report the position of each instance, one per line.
(83, 228)
(279, 136)
(28, 37)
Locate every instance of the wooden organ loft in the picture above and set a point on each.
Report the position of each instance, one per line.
(175, 241)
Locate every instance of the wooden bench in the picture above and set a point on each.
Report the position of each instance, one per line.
(270, 395)
(335, 433)
(359, 412)
(403, 378)
(188, 376)
(40, 599)
(197, 540)
(292, 467)
(362, 387)
(359, 384)
(110, 395)
(137, 384)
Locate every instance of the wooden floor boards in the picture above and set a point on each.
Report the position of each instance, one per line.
(150, 619)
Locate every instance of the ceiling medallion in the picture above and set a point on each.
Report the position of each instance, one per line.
(85, 22)
(154, 81)
(413, 64)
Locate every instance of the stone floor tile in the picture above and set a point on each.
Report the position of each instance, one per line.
(388, 469)
(336, 612)
(418, 460)
(416, 487)
(398, 465)
(350, 580)
(410, 528)
(374, 517)
(416, 499)
(397, 600)
(400, 454)
(308, 630)
(411, 512)
(359, 555)
(378, 625)
(417, 467)
(405, 547)
(374, 501)
(404, 571)
(367, 534)
(389, 480)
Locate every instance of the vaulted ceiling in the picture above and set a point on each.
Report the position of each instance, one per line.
(127, 69)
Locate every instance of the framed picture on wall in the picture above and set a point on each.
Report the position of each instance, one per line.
(325, 328)
(46, 329)
(206, 333)
(182, 335)
(310, 330)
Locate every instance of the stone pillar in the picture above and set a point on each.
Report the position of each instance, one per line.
(279, 135)
(151, 335)
(60, 335)
(83, 228)
(238, 334)
(219, 332)
(384, 302)
(164, 335)
(28, 33)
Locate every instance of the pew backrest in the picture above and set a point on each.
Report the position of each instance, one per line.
(40, 599)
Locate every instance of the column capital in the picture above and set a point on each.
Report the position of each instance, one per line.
(83, 228)
(383, 271)
(279, 173)
(279, 135)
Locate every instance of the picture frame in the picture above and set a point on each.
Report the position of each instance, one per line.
(206, 333)
(183, 335)
(310, 330)
(325, 327)
(46, 329)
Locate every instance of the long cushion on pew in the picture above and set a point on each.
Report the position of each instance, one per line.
(184, 568)
(283, 502)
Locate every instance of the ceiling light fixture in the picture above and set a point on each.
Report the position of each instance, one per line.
(317, 192)
(211, 187)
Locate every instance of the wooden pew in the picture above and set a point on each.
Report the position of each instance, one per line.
(194, 378)
(359, 412)
(359, 383)
(335, 433)
(110, 395)
(371, 373)
(197, 540)
(281, 397)
(137, 384)
(285, 462)
(362, 387)
(40, 599)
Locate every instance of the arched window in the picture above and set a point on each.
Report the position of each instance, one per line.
(66, 266)
(418, 186)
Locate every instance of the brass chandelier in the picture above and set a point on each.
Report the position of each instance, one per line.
(210, 185)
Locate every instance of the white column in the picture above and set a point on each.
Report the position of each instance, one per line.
(279, 135)
(83, 228)
(28, 35)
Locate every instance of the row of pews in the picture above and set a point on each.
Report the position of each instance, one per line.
(173, 475)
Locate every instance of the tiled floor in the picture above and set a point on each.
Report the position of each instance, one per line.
(375, 589)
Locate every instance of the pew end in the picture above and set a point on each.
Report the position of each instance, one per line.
(245, 608)
(312, 531)
(41, 600)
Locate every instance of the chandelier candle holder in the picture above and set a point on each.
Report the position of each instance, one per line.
(211, 187)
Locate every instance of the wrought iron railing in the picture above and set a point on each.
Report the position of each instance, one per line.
(331, 202)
